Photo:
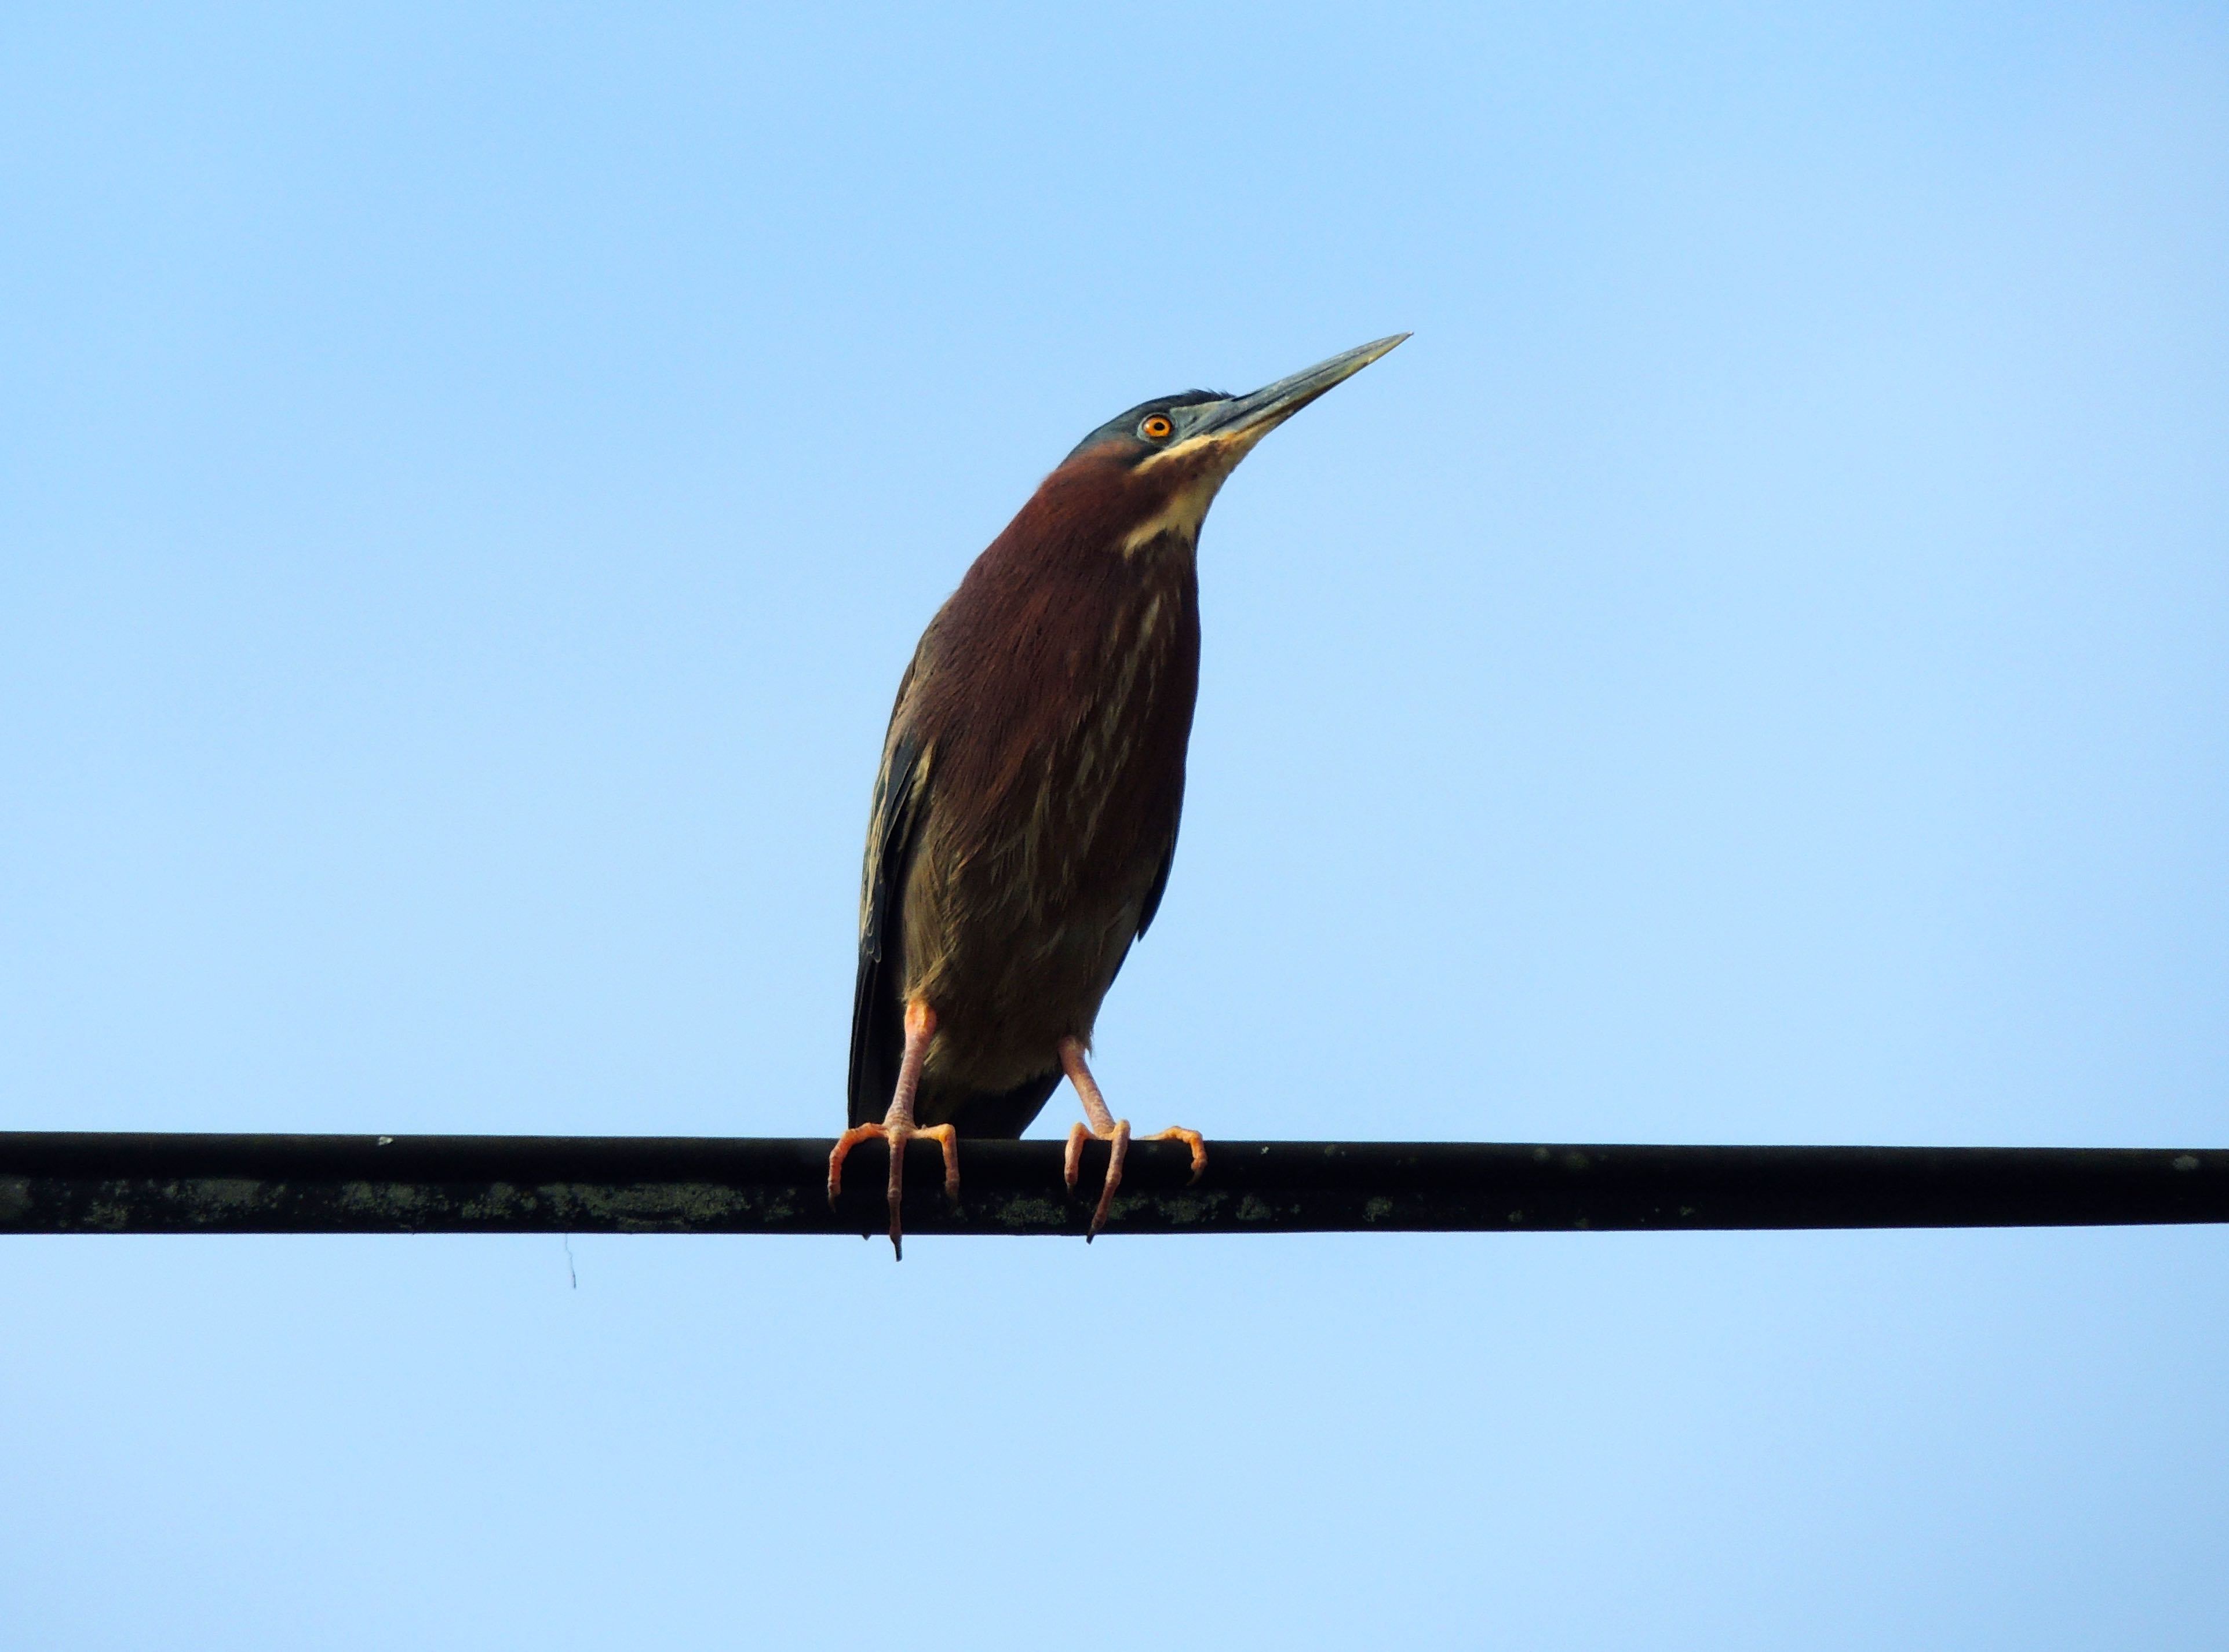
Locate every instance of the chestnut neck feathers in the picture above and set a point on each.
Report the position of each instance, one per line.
(1069, 638)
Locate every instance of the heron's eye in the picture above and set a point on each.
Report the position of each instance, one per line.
(1156, 427)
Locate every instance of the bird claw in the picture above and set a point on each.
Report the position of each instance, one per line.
(897, 1135)
(850, 1139)
(1191, 1138)
(1120, 1136)
(1078, 1134)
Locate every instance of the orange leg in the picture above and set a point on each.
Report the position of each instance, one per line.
(897, 1127)
(1107, 1128)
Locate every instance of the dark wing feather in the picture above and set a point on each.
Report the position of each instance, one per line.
(1160, 878)
(877, 1018)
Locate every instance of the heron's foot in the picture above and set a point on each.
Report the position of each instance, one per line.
(897, 1135)
(1118, 1133)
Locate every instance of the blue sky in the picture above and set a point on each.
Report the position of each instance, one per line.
(1755, 667)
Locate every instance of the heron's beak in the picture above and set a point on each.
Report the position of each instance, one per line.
(1234, 425)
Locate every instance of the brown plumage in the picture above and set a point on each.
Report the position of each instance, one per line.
(1025, 813)
(1027, 806)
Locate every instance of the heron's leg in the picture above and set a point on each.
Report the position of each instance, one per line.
(897, 1127)
(1107, 1128)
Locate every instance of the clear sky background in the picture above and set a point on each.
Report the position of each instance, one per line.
(1755, 667)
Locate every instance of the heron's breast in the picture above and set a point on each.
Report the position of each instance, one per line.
(1055, 799)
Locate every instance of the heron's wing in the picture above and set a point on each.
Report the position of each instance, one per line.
(877, 1018)
(1161, 884)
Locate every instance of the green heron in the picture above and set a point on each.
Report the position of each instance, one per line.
(1026, 814)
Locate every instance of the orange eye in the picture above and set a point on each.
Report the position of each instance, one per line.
(1156, 428)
